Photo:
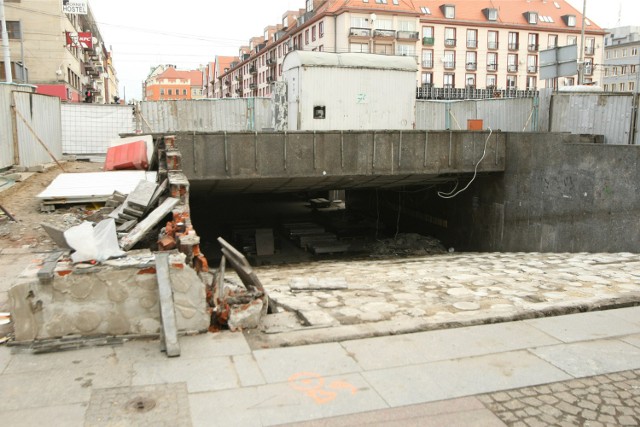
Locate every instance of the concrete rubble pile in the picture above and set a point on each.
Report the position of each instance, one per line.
(98, 284)
(407, 244)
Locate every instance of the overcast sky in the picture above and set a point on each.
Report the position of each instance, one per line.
(143, 34)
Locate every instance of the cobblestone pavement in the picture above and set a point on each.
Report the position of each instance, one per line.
(603, 400)
(460, 288)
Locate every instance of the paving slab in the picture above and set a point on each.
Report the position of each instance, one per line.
(151, 405)
(279, 364)
(216, 373)
(461, 377)
(465, 411)
(58, 387)
(294, 401)
(629, 314)
(24, 362)
(632, 339)
(224, 343)
(423, 347)
(249, 373)
(5, 357)
(591, 357)
(586, 326)
(70, 415)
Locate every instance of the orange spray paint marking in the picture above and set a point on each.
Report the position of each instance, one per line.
(312, 385)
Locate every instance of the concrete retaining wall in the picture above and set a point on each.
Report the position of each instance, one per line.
(556, 195)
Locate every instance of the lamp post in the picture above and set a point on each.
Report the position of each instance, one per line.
(581, 63)
(5, 45)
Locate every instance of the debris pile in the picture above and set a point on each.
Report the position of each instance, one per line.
(407, 244)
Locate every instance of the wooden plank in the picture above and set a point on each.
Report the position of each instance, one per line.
(143, 227)
(169, 329)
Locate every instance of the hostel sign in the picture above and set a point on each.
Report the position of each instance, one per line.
(75, 7)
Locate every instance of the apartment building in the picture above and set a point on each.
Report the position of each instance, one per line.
(165, 82)
(484, 44)
(62, 54)
(622, 60)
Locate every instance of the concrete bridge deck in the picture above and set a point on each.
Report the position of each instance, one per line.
(257, 162)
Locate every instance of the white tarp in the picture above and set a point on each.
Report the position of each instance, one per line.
(91, 243)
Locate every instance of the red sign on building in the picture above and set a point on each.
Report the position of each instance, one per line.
(81, 40)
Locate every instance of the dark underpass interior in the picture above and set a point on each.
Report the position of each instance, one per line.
(300, 227)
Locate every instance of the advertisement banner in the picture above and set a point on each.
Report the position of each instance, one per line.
(81, 40)
(75, 7)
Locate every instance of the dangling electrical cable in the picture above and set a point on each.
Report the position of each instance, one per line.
(451, 194)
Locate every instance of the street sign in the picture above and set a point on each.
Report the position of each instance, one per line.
(75, 7)
(559, 62)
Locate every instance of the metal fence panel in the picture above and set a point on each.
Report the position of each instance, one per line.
(6, 122)
(596, 114)
(206, 115)
(431, 115)
(88, 128)
(460, 112)
(42, 113)
(508, 115)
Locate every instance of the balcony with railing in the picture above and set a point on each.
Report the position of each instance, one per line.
(427, 63)
(253, 69)
(271, 79)
(492, 67)
(408, 35)
(512, 68)
(450, 42)
(514, 46)
(384, 34)
(471, 66)
(449, 65)
(428, 41)
(533, 47)
(271, 61)
(532, 69)
(589, 50)
(588, 70)
(472, 44)
(253, 86)
(493, 45)
(359, 32)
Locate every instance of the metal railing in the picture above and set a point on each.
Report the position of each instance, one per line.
(359, 32)
(493, 45)
(408, 35)
(449, 93)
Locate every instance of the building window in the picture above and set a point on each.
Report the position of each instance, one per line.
(492, 61)
(621, 86)
(472, 39)
(512, 63)
(634, 51)
(427, 79)
(512, 82)
(406, 50)
(588, 66)
(470, 81)
(306, 36)
(425, 10)
(472, 61)
(531, 83)
(427, 58)
(427, 36)
(490, 14)
(533, 42)
(359, 47)
(313, 33)
(532, 64)
(449, 37)
(449, 59)
(571, 40)
(449, 11)
(553, 41)
(449, 81)
(492, 40)
(492, 81)
(532, 17)
(184, 91)
(590, 45)
(383, 24)
(513, 41)
(321, 29)
(162, 92)
(406, 26)
(569, 20)
(13, 30)
(170, 92)
(632, 86)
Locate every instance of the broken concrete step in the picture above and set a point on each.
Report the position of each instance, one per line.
(329, 248)
(141, 197)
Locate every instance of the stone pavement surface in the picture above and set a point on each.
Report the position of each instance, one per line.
(573, 368)
(351, 299)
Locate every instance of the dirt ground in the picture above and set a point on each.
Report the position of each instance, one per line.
(20, 200)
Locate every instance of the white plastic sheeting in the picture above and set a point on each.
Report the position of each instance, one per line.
(90, 243)
(88, 128)
(205, 115)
